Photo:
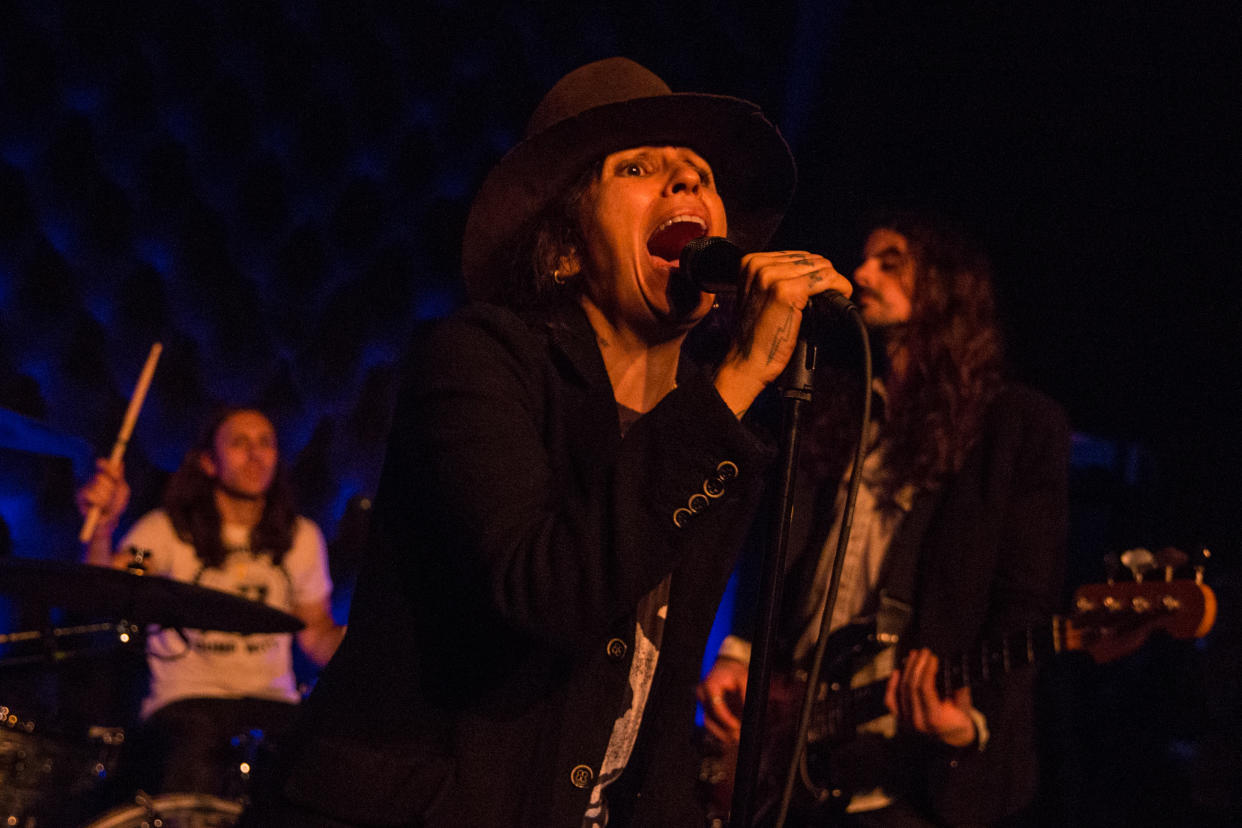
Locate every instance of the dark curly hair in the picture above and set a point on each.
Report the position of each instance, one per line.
(954, 368)
(189, 500)
(555, 232)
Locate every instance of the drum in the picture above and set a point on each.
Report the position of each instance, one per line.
(44, 770)
(172, 810)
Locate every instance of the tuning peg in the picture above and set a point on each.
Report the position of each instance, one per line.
(1112, 566)
(1171, 559)
(1139, 561)
(1199, 562)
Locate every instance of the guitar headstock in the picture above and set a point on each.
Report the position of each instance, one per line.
(1114, 619)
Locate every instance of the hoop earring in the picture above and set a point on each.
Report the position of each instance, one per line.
(558, 277)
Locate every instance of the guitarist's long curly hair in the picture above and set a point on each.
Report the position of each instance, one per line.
(189, 500)
(955, 364)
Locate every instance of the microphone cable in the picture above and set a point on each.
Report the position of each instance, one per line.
(798, 764)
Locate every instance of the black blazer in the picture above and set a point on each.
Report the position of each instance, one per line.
(991, 551)
(987, 554)
(492, 629)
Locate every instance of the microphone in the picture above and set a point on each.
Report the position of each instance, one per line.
(714, 265)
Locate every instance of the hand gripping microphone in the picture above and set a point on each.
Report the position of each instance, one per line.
(714, 265)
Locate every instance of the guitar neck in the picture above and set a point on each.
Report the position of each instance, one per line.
(993, 659)
(1109, 621)
(846, 708)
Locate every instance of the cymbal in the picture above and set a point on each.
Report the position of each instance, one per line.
(139, 599)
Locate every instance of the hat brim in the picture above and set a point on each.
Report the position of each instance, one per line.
(752, 165)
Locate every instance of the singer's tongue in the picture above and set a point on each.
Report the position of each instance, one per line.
(667, 242)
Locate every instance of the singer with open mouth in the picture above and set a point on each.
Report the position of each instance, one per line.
(564, 494)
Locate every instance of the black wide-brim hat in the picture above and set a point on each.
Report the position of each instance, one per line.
(611, 105)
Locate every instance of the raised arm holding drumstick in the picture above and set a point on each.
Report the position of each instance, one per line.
(104, 498)
(227, 521)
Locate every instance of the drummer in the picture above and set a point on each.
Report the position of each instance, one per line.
(227, 522)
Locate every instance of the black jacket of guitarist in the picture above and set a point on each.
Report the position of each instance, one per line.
(986, 554)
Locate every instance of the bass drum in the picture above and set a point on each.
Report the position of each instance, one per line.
(172, 810)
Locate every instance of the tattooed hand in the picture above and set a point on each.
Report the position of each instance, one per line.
(778, 286)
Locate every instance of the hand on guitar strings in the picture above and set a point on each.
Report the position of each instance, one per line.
(723, 694)
(913, 698)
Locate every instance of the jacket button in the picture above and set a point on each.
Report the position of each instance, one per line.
(581, 776)
(617, 649)
(726, 470)
(697, 503)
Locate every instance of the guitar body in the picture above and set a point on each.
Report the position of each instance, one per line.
(849, 648)
(1109, 621)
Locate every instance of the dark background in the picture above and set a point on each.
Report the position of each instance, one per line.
(276, 191)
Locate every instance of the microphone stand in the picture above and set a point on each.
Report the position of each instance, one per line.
(796, 390)
(796, 393)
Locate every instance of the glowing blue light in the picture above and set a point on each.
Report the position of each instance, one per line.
(501, 139)
(7, 281)
(101, 308)
(276, 138)
(20, 512)
(344, 493)
(435, 304)
(1131, 460)
(1184, 750)
(84, 99)
(367, 165)
(19, 154)
(422, 111)
(59, 235)
(453, 185)
(377, 353)
(156, 253)
(721, 627)
(1087, 451)
(179, 123)
(41, 371)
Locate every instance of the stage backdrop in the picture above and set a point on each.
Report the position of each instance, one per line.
(276, 192)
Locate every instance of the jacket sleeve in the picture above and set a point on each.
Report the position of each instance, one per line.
(1029, 465)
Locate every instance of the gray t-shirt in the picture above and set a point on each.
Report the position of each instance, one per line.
(229, 665)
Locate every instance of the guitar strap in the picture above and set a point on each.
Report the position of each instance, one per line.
(867, 763)
(891, 618)
(893, 604)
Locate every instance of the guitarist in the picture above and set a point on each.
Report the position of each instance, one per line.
(960, 524)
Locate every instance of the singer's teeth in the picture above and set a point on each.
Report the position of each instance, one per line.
(676, 219)
(672, 235)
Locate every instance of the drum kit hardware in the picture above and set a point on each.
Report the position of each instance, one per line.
(176, 810)
(139, 599)
(55, 768)
(48, 769)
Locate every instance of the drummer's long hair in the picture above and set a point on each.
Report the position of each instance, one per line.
(190, 503)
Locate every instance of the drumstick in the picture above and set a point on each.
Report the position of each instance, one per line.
(127, 428)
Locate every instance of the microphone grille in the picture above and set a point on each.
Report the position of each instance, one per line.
(713, 263)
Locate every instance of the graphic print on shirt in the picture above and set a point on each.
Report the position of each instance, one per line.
(249, 576)
(648, 635)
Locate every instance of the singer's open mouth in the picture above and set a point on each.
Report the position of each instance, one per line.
(666, 243)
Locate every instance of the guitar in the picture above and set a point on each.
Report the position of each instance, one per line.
(1108, 621)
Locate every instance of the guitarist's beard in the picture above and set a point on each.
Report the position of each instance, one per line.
(884, 340)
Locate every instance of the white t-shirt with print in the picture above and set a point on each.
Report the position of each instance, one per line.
(229, 665)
